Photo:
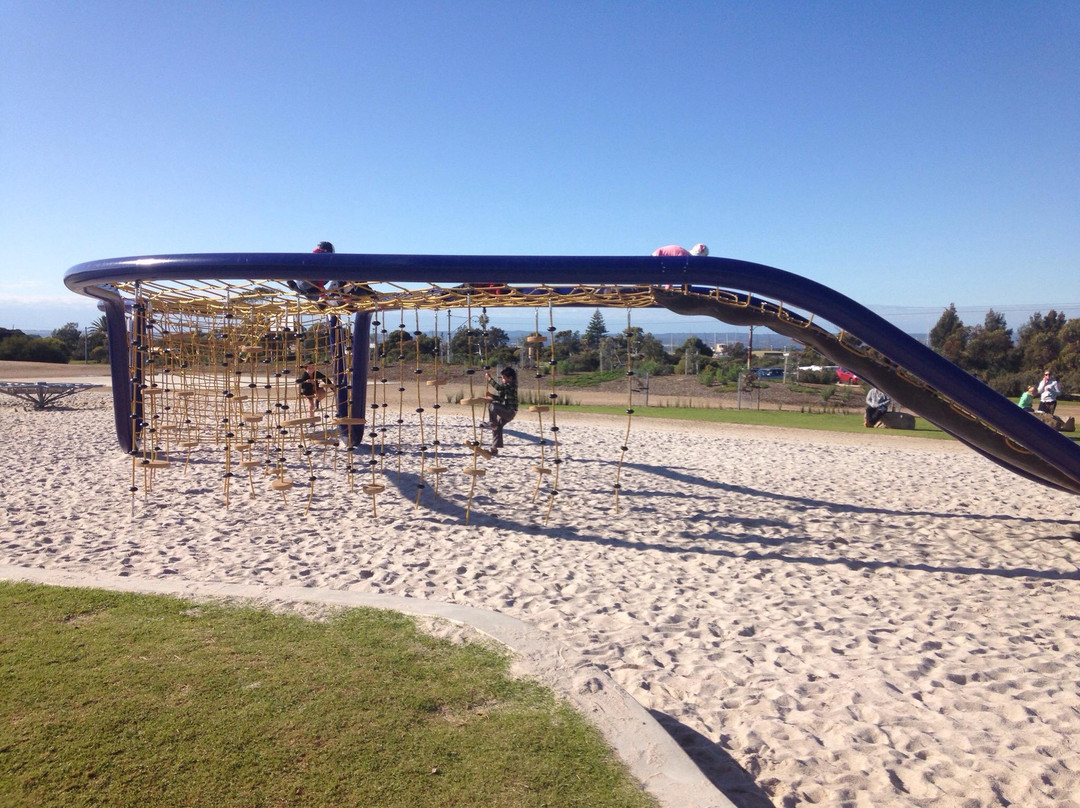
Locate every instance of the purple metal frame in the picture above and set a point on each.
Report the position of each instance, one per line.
(96, 278)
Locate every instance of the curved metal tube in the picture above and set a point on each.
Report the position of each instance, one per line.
(893, 344)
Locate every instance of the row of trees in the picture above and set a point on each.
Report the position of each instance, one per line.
(1009, 365)
(595, 349)
(64, 344)
(987, 350)
(574, 352)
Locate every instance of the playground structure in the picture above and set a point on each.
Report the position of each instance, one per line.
(205, 347)
(43, 395)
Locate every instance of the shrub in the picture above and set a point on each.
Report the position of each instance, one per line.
(23, 348)
(817, 376)
(580, 363)
(653, 368)
(1012, 385)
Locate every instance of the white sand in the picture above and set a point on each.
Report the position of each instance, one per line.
(859, 621)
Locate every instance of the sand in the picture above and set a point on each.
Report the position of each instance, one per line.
(860, 620)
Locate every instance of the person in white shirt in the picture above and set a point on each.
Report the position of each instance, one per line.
(1049, 390)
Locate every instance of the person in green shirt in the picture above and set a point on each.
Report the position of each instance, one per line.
(1027, 398)
(503, 406)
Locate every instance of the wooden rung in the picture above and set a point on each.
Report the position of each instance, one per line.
(435, 382)
(253, 419)
(252, 348)
(250, 464)
(541, 470)
(437, 470)
(536, 338)
(373, 488)
(479, 450)
(281, 484)
(475, 472)
(469, 402)
(300, 422)
(349, 421)
(185, 393)
(188, 444)
(538, 408)
(153, 391)
(157, 464)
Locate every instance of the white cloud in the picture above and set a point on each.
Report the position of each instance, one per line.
(46, 312)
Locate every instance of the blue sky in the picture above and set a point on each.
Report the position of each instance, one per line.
(909, 155)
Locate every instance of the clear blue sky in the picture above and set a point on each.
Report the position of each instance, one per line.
(907, 154)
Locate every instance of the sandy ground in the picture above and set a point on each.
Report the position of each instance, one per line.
(862, 620)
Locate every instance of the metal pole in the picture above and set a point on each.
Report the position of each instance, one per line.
(449, 336)
(359, 373)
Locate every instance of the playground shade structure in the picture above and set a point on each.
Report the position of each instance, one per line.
(244, 302)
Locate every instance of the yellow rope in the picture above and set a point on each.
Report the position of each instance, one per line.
(553, 399)
(437, 469)
(629, 410)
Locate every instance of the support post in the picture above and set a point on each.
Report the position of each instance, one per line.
(361, 347)
(340, 372)
(138, 343)
(117, 336)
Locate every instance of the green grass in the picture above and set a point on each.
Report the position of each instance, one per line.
(829, 422)
(131, 700)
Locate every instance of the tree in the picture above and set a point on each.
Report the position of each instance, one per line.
(23, 348)
(696, 345)
(737, 353)
(596, 330)
(641, 345)
(996, 322)
(948, 327)
(465, 339)
(1068, 361)
(69, 336)
(1038, 341)
(809, 356)
(989, 347)
(567, 343)
(97, 340)
(987, 351)
(428, 344)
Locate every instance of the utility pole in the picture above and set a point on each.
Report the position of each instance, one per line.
(449, 336)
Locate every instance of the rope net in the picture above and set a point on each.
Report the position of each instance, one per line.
(215, 370)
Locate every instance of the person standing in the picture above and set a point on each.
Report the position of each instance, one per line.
(503, 406)
(1049, 390)
(313, 387)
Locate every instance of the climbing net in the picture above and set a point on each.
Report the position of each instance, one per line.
(275, 299)
(215, 368)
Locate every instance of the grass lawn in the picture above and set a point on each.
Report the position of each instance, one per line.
(133, 700)
(829, 422)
